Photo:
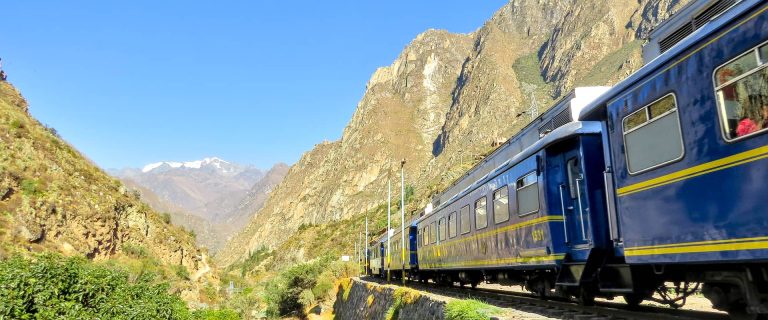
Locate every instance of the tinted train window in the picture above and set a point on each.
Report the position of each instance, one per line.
(501, 205)
(481, 218)
(652, 135)
(465, 227)
(742, 94)
(432, 233)
(452, 224)
(527, 194)
(441, 229)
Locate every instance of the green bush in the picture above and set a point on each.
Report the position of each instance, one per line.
(221, 314)
(30, 187)
(254, 259)
(54, 287)
(181, 272)
(135, 250)
(290, 292)
(469, 310)
(166, 217)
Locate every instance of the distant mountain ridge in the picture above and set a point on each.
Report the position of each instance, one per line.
(212, 197)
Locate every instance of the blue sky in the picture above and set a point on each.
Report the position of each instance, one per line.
(134, 82)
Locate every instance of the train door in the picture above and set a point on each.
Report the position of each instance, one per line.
(573, 193)
(565, 181)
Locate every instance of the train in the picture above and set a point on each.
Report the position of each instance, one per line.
(621, 192)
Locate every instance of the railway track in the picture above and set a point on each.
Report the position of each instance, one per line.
(559, 309)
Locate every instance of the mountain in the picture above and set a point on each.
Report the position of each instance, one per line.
(53, 199)
(446, 101)
(212, 197)
(255, 197)
(207, 188)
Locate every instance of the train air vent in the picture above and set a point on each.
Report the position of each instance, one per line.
(557, 121)
(699, 21)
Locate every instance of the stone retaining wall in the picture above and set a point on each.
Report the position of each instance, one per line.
(358, 299)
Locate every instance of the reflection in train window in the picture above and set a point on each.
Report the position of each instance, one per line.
(465, 227)
(452, 224)
(481, 218)
(441, 229)
(501, 205)
(657, 139)
(742, 94)
(432, 233)
(527, 194)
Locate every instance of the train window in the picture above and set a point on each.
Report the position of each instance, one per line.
(481, 218)
(465, 227)
(452, 224)
(764, 54)
(655, 141)
(574, 174)
(501, 205)
(527, 194)
(441, 228)
(742, 94)
(432, 232)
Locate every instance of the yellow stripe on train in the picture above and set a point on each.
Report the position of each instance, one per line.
(702, 169)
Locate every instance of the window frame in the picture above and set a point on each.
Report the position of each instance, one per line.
(484, 197)
(517, 193)
(433, 232)
(469, 219)
(493, 196)
(455, 225)
(442, 224)
(762, 63)
(648, 121)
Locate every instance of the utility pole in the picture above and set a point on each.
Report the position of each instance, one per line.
(365, 243)
(402, 217)
(389, 226)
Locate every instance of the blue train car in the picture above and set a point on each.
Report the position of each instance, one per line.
(686, 151)
(522, 221)
(403, 259)
(376, 264)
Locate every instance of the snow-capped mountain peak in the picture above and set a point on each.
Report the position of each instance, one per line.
(197, 164)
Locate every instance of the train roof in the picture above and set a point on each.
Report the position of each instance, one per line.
(595, 109)
(563, 111)
(563, 132)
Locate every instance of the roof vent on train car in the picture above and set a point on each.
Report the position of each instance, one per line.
(557, 121)
(690, 18)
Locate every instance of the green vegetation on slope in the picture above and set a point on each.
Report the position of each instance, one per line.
(469, 310)
(50, 286)
(529, 75)
(605, 71)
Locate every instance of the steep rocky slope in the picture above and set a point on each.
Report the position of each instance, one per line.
(54, 199)
(254, 199)
(447, 99)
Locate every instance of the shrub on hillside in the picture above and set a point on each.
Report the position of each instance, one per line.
(291, 292)
(54, 287)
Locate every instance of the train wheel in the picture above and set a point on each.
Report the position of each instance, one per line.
(585, 297)
(473, 284)
(633, 300)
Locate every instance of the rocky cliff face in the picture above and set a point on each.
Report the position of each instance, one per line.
(447, 99)
(53, 199)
